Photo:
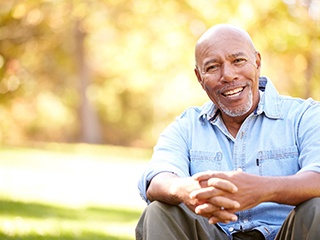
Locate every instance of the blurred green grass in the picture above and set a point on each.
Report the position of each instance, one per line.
(25, 214)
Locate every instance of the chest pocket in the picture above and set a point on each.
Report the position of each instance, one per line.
(279, 162)
(204, 160)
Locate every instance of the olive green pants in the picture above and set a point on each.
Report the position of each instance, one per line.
(162, 221)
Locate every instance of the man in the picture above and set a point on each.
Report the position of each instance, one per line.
(244, 165)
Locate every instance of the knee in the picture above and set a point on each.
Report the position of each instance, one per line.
(311, 206)
(313, 202)
(156, 209)
(156, 206)
(159, 209)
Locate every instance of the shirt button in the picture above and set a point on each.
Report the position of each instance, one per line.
(231, 229)
(245, 220)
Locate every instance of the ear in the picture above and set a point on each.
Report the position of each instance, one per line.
(196, 71)
(258, 60)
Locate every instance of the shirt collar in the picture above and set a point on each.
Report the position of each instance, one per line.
(269, 103)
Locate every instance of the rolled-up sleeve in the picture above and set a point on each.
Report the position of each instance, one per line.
(170, 154)
(309, 138)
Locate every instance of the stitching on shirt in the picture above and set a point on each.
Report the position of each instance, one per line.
(281, 153)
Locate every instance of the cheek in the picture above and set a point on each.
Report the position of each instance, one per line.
(211, 92)
(206, 86)
(210, 85)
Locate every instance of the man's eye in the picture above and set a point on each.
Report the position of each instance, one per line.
(212, 68)
(239, 60)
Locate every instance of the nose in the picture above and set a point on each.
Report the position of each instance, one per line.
(228, 72)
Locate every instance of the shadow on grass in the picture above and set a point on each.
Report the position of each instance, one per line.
(82, 216)
(38, 210)
(85, 236)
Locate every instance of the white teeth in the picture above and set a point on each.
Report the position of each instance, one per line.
(233, 91)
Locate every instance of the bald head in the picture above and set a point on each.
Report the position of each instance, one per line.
(222, 32)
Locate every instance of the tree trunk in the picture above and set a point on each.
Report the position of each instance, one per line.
(90, 130)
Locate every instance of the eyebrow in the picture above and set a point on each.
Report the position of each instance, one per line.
(235, 55)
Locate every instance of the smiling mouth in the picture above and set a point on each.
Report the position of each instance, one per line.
(233, 92)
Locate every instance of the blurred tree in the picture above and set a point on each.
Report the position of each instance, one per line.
(118, 71)
(89, 127)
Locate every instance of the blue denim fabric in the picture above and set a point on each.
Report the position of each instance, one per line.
(281, 137)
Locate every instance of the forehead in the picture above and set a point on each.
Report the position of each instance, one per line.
(223, 43)
(224, 48)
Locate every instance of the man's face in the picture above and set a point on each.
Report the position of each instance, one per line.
(228, 69)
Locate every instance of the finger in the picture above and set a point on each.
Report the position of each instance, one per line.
(202, 176)
(217, 203)
(206, 209)
(213, 195)
(223, 216)
(205, 193)
(224, 202)
(222, 184)
(204, 183)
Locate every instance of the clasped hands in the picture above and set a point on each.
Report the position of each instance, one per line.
(219, 198)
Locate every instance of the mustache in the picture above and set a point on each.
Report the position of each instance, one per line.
(233, 85)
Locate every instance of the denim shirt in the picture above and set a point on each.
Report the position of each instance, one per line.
(280, 138)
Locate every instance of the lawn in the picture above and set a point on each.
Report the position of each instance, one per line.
(60, 191)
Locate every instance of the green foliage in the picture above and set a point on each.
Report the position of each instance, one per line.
(27, 220)
(44, 211)
(131, 62)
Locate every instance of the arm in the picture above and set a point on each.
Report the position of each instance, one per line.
(165, 187)
(169, 188)
(295, 189)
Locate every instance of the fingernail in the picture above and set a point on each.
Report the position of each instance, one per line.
(212, 222)
(234, 218)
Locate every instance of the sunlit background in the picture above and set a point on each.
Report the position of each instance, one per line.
(117, 71)
(86, 87)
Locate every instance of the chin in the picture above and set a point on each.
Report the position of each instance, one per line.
(239, 111)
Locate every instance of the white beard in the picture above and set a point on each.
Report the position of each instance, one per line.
(239, 111)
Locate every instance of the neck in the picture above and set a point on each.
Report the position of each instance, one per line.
(233, 124)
